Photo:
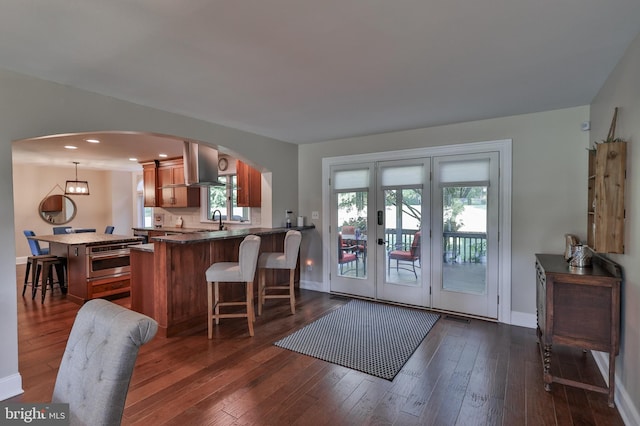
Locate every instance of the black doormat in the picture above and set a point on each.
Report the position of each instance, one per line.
(374, 338)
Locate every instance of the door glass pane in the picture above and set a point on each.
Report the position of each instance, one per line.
(403, 215)
(352, 234)
(464, 225)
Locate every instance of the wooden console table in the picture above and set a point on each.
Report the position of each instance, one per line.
(578, 307)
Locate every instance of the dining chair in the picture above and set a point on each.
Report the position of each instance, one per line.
(348, 230)
(412, 255)
(34, 245)
(109, 229)
(58, 230)
(242, 271)
(280, 260)
(81, 230)
(98, 362)
(346, 255)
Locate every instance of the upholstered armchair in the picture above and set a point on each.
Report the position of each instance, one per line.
(98, 361)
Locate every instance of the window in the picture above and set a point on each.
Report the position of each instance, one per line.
(224, 198)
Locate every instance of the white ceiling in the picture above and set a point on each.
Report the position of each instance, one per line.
(306, 71)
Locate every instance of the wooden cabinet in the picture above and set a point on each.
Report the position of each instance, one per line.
(150, 186)
(142, 287)
(171, 172)
(578, 307)
(249, 185)
(607, 173)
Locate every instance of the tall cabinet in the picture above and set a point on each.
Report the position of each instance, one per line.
(171, 172)
(150, 188)
(606, 210)
(249, 185)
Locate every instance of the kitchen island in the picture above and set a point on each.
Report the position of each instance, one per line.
(168, 275)
(97, 264)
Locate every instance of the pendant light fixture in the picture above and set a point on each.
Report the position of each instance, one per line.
(76, 187)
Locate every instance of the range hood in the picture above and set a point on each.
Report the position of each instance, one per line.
(200, 165)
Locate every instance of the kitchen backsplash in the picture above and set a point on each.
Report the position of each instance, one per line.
(191, 219)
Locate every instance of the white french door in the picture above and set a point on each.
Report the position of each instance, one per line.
(465, 229)
(350, 232)
(379, 213)
(421, 231)
(402, 224)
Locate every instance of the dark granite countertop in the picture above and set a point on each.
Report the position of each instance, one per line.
(143, 247)
(87, 238)
(198, 237)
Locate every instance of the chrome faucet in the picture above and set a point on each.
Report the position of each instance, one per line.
(213, 217)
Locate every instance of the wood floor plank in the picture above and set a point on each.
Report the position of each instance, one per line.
(464, 372)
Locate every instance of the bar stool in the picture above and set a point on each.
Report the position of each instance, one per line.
(286, 260)
(32, 261)
(47, 266)
(35, 268)
(242, 271)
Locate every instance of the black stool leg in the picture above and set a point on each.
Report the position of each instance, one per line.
(35, 278)
(60, 273)
(26, 277)
(47, 279)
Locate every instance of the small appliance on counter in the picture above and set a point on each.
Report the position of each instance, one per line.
(158, 220)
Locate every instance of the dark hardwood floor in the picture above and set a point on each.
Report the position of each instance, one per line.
(464, 373)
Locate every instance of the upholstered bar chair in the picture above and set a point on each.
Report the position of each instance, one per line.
(98, 361)
(239, 272)
(285, 260)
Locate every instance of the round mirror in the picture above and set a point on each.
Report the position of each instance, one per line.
(57, 209)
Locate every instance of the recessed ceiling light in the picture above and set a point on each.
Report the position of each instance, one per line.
(133, 159)
(162, 155)
(92, 140)
(70, 147)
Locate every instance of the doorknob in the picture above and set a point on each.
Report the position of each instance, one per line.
(380, 242)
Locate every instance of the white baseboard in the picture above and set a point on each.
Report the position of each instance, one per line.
(624, 403)
(523, 319)
(21, 260)
(10, 386)
(313, 285)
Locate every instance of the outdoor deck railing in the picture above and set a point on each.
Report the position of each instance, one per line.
(458, 247)
(464, 247)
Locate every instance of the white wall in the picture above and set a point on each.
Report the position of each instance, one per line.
(549, 183)
(622, 89)
(30, 107)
